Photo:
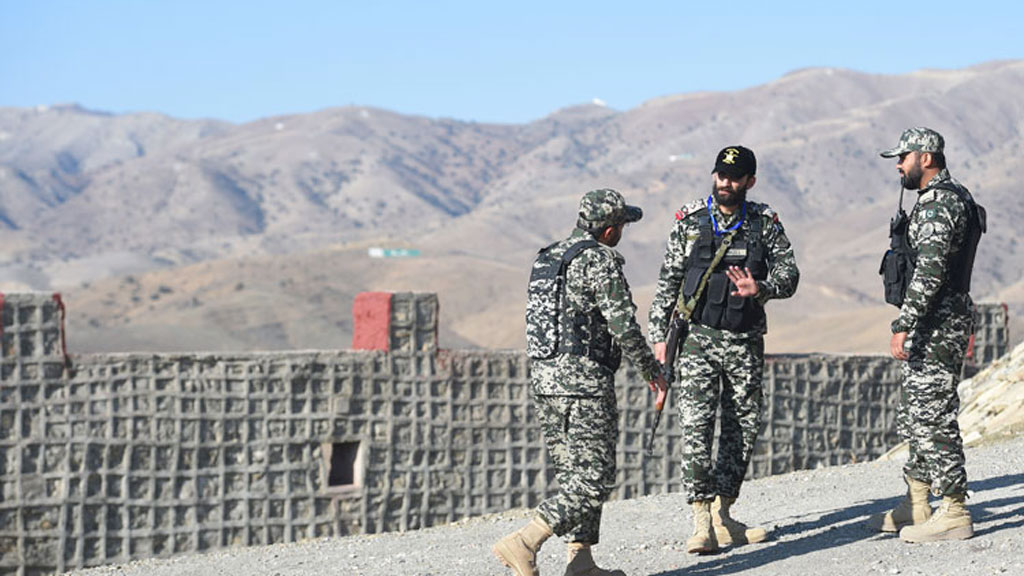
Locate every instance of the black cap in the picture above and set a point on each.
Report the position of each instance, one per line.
(736, 162)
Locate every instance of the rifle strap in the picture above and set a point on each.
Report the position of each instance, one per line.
(685, 307)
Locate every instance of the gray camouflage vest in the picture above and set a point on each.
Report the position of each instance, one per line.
(550, 328)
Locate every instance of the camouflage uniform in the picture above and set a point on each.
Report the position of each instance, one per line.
(575, 396)
(716, 367)
(939, 322)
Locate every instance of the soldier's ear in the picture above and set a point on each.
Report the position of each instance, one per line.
(927, 160)
(606, 235)
(751, 182)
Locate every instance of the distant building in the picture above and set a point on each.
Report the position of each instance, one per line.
(377, 252)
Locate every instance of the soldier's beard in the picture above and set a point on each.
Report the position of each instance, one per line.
(726, 197)
(912, 180)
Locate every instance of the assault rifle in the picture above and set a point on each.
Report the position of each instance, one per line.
(678, 328)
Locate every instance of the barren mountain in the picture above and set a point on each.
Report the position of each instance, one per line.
(171, 234)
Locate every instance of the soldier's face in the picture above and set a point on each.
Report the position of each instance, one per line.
(910, 170)
(730, 191)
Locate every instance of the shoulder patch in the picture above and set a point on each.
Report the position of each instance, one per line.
(689, 209)
(927, 229)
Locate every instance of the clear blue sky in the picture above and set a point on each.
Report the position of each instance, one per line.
(471, 60)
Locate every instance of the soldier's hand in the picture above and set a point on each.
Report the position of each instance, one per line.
(896, 346)
(659, 352)
(746, 286)
(658, 384)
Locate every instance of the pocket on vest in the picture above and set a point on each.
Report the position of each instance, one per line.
(736, 312)
(718, 288)
(692, 280)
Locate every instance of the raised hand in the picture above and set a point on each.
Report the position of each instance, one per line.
(746, 286)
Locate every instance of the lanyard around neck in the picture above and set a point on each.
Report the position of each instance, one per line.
(714, 221)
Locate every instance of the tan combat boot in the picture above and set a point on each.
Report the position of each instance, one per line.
(730, 532)
(952, 521)
(703, 539)
(581, 563)
(519, 549)
(912, 510)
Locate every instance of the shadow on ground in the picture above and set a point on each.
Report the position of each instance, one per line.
(843, 526)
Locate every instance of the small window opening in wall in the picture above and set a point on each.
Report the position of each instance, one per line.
(344, 465)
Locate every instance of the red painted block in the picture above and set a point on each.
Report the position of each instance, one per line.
(371, 319)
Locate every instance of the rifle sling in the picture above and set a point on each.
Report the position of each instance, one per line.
(684, 307)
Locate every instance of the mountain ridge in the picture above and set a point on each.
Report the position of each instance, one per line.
(87, 198)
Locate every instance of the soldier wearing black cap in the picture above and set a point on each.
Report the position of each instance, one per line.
(726, 257)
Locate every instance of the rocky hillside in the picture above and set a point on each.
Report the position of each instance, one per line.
(169, 234)
(992, 403)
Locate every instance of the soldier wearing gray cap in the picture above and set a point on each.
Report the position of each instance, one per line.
(927, 274)
(580, 320)
(919, 139)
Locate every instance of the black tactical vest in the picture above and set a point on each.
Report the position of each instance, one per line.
(717, 308)
(550, 328)
(900, 260)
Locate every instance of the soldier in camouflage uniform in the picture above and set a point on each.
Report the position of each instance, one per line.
(721, 362)
(574, 388)
(930, 337)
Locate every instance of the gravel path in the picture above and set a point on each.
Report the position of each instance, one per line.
(816, 520)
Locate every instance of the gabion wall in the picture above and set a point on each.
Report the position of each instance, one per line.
(991, 336)
(138, 455)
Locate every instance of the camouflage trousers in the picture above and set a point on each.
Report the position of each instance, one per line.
(929, 404)
(581, 433)
(718, 372)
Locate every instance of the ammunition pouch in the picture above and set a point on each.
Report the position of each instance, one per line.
(587, 335)
(898, 264)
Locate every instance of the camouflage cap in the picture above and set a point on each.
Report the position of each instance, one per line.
(606, 207)
(920, 139)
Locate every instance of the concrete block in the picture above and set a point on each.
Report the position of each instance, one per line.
(371, 318)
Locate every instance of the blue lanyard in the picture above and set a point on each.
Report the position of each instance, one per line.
(714, 222)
